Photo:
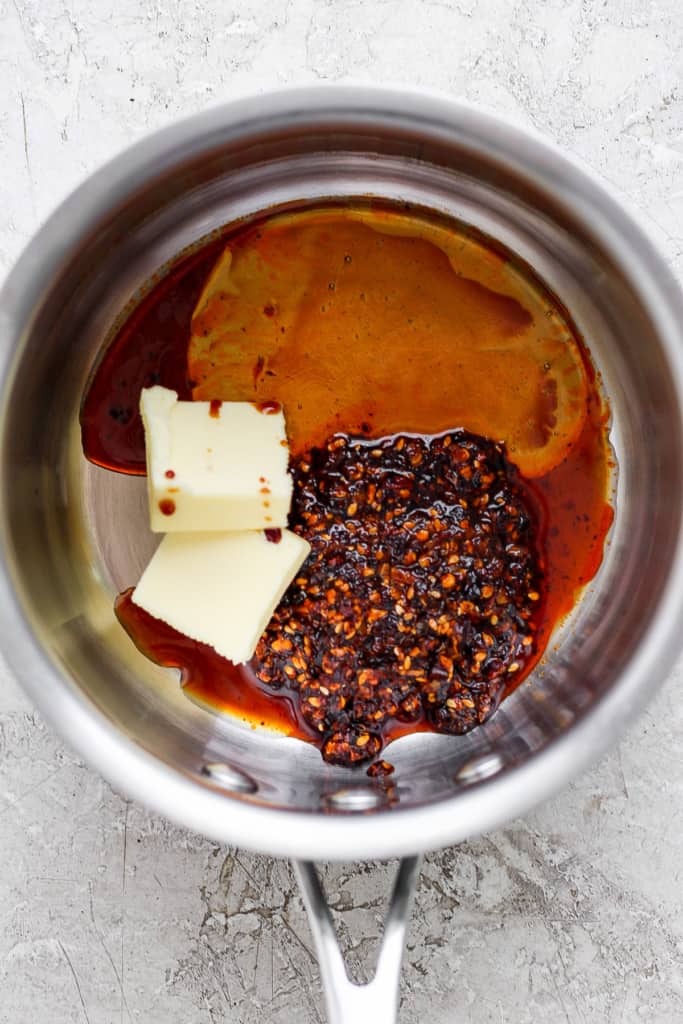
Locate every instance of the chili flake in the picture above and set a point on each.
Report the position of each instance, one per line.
(421, 594)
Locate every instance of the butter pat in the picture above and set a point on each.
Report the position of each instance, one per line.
(214, 465)
(220, 589)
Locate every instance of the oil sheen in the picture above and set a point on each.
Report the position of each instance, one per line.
(371, 320)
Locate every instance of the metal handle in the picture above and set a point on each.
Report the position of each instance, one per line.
(348, 1003)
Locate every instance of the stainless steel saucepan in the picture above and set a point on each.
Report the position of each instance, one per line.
(73, 535)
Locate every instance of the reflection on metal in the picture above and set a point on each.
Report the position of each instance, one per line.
(479, 768)
(229, 778)
(361, 798)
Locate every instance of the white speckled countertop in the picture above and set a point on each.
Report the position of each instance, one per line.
(109, 914)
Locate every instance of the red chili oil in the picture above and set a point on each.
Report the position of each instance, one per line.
(269, 408)
(208, 676)
(213, 680)
(422, 593)
(570, 501)
(150, 348)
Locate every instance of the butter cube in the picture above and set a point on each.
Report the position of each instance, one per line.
(221, 588)
(214, 465)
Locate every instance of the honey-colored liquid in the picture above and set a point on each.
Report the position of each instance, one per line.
(372, 320)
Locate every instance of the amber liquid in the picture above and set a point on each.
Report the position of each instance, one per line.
(354, 327)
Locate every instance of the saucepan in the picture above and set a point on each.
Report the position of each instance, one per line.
(73, 535)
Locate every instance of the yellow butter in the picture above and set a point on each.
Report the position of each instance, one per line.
(214, 465)
(220, 588)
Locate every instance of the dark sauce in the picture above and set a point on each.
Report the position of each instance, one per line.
(150, 348)
(571, 508)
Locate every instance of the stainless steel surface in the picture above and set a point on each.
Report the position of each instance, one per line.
(72, 535)
(377, 1001)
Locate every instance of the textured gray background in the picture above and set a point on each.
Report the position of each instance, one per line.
(109, 914)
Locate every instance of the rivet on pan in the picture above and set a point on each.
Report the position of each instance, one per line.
(229, 778)
(479, 768)
(355, 799)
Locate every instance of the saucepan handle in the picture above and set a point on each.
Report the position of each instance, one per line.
(348, 1003)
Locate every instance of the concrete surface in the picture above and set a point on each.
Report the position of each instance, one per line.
(109, 914)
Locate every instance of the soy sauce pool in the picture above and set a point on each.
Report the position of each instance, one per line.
(373, 320)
